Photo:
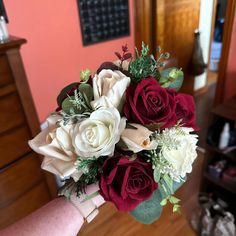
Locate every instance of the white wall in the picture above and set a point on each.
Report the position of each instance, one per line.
(206, 10)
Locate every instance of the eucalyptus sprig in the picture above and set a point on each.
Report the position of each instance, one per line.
(143, 65)
(77, 107)
(174, 201)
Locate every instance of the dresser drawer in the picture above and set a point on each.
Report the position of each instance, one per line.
(18, 178)
(14, 144)
(21, 207)
(5, 71)
(11, 114)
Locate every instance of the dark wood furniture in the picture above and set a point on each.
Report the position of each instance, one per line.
(23, 185)
(218, 186)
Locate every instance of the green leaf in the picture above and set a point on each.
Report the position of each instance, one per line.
(84, 75)
(172, 78)
(176, 208)
(166, 84)
(88, 197)
(178, 77)
(87, 90)
(149, 211)
(174, 200)
(168, 183)
(64, 92)
(156, 175)
(68, 107)
(163, 202)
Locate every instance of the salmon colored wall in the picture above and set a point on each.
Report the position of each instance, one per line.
(230, 87)
(54, 54)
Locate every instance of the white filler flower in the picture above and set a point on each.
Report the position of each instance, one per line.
(97, 135)
(179, 149)
(109, 88)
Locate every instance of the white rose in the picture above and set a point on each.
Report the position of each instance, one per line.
(138, 139)
(182, 157)
(108, 88)
(55, 143)
(97, 135)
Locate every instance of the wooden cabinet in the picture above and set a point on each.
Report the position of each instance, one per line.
(24, 187)
(215, 181)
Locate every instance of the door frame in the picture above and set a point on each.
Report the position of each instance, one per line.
(145, 28)
(228, 26)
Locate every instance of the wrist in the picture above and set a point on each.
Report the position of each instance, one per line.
(88, 209)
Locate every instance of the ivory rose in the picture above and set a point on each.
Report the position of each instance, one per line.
(138, 139)
(55, 143)
(97, 135)
(181, 158)
(108, 88)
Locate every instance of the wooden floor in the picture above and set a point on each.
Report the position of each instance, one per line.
(110, 222)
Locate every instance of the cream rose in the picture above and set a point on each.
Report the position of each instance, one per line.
(138, 139)
(109, 88)
(182, 156)
(125, 64)
(97, 135)
(55, 144)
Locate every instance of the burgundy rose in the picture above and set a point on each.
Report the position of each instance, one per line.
(126, 182)
(147, 102)
(185, 110)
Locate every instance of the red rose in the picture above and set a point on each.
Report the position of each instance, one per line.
(126, 182)
(185, 110)
(147, 102)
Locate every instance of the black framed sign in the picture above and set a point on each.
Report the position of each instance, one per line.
(103, 20)
(3, 10)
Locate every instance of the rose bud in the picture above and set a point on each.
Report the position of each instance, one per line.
(138, 138)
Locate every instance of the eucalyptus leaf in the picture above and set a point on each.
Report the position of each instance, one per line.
(67, 106)
(87, 90)
(157, 175)
(178, 77)
(64, 92)
(174, 76)
(149, 211)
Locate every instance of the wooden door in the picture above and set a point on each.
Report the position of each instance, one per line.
(172, 27)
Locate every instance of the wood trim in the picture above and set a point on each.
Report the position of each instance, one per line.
(213, 19)
(228, 26)
(144, 12)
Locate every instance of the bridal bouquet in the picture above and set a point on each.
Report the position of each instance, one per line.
(128, 129)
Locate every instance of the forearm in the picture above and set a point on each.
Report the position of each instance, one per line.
(59, 217)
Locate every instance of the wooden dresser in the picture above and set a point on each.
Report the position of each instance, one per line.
(24, 187)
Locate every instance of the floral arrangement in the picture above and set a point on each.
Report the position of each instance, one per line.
(126, 128)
